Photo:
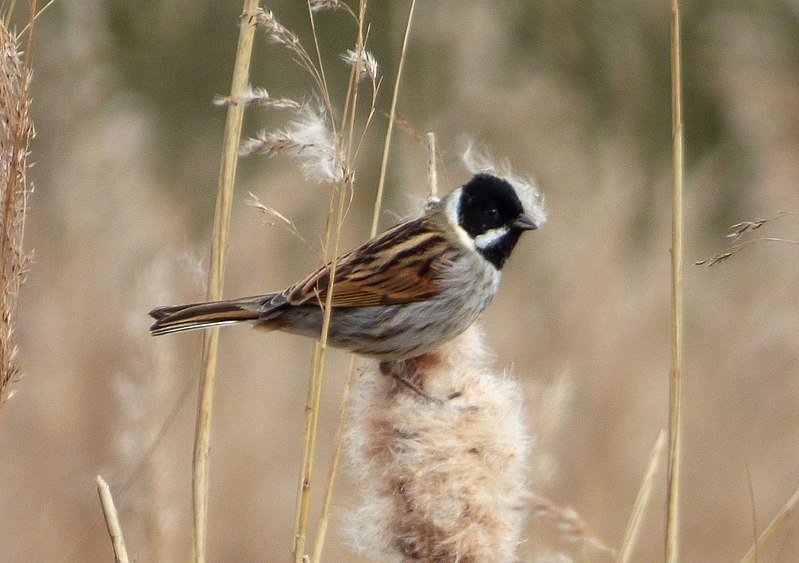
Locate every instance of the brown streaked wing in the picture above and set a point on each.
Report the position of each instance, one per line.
(399, 266)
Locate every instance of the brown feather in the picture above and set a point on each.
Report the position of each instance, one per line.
(188, 317)
(367, 277)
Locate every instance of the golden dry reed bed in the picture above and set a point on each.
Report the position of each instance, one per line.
(554, 447)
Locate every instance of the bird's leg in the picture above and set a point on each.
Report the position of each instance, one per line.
(403, 372)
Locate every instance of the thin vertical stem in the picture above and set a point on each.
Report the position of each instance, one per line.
(432, 173)
(112, 521)
(774, 526)
(227, 175)
(320, 65)
(345, 404)
(392, 115)
(321, 529)
(675, 393)
(641, 501)
(320, 349)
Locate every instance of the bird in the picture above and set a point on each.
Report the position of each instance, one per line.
(402, 293)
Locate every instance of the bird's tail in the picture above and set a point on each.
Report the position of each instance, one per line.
(177, 318)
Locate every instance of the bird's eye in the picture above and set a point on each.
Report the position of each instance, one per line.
(492, 214)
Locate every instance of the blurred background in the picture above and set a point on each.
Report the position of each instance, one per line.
(574, 94)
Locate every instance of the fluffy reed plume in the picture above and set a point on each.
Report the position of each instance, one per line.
(364, 61)
(257, 97)
(333, 5)
(309, 139)
(16, 132)
(443, 478)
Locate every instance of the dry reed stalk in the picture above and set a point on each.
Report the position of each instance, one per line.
(112, 521)
(345, 401)
(392, 114)
(432, 173)
(774, 526)
(675, 380)
(36, 12)
(338, 440)
(326, 154)
(641, 501)
(227, 176)
(340, 190)
(314, 396)
(16, 133)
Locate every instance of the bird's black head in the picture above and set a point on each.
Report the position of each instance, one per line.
(492, 214)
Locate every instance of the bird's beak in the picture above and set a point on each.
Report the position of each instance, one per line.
(525, 223)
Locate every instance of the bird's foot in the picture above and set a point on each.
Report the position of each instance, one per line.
(407, 374)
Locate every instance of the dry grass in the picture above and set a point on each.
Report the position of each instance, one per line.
(593, 287)
(112, 521)
(16, 134)
(642, 502)
(216, 277)
(677, 236)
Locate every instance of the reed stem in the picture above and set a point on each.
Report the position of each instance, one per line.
(641, 501)
(392, 115)
(227, 176)
(675, 392)
(112, 521)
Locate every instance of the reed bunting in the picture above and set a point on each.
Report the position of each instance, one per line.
(402, 293)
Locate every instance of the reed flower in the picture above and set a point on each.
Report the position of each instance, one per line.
(258, 97)
(443, 479)
(364, 62)
(309, 139)
(16, 133)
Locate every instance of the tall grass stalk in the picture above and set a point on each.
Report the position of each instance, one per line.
(774, 526)
(432, 172)
(227, 175)
(641, 501)
(314, 396)
(112, 521)
(340, 195)
(345, 401)
(392, 114)
(338, 440)
(675, 392)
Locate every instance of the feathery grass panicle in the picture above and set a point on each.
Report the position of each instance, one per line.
(257, 97)
(477, 159)
(364, 62)
(277, 32)
(738, 231)
(309, 139)
(441, 480)
(275, 218)
(16, 132)
(333, 5)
